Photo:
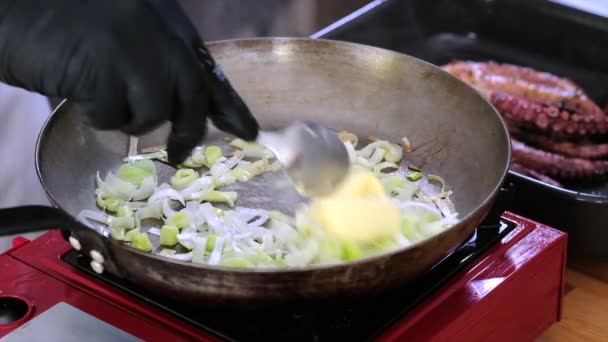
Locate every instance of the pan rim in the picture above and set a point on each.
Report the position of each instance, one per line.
(300, 269)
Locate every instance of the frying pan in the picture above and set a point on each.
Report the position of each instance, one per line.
(368, 91)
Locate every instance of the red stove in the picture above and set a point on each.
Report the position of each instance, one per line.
(504, 284)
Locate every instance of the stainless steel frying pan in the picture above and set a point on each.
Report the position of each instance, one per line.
(362, 89)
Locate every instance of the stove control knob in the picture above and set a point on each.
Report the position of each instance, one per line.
(95, 255)
(97, 267)
(75, 243)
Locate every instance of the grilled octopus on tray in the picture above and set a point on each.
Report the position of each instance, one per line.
(554, 125)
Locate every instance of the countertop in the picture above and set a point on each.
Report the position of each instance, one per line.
(585, 310)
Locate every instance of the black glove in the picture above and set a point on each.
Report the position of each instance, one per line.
(128, 64)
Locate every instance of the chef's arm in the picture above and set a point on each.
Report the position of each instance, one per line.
(128, 64)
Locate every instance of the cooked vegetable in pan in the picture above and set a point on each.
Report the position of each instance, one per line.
(378, 208)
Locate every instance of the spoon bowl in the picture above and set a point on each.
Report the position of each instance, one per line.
(312, 155)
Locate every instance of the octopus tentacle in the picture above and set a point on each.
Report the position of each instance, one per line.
(552, 114)
(555, 165)
(523, 82)
(566, 148)
(521, 72)
(548, 119)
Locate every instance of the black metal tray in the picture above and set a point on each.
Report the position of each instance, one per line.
(538, 33)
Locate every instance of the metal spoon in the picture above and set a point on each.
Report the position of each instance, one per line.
(312, 155)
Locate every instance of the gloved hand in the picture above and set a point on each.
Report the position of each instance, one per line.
(128, 64)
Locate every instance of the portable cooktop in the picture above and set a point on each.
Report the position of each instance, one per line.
(49, 293)
(353, 321)
(504, 284)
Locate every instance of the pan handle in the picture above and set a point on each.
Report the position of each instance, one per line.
(35, 218)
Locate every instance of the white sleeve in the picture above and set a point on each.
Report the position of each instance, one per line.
(22, 115)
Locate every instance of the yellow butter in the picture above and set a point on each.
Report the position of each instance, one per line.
(358, 210)
(359, 183)
(358, 219)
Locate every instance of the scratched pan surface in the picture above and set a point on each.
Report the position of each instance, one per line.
(365, 90)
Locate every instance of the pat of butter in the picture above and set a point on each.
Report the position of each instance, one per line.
(359, 183)
(358, 210)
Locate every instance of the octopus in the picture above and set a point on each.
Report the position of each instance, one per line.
(547, 118)
(554, 125)
(525, 83)
(585, 150)
(557, 166)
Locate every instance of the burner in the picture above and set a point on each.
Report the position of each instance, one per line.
(357, 321)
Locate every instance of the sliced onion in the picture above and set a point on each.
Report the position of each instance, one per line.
(154, 231)
(235, 247)
(181, 257)
(166, 251)
(186, 239)
(412, 207)
(196, 159)
(352, 153)
(151, 211)
(438, 180)
(222, 166)
(160, 155)
(385, 165)
(220, 171)
(167, 210)
(263, 218)
(100, 183)
(196, 218)
(446, 207)
(118, 187)
(189, 229)
(392, 153)
(303, 256)
(367, 151)
(283, 231)
(408, 190)
(136, 205)
(376, 157)
(243, 236)
(259, 235)
(148, 184)
(252, 243)
(257, 151)
(166, 193)
(203, 183)
(209, 213)
(199, 248)
(216, 254)
(247, 214)
(267, 240)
